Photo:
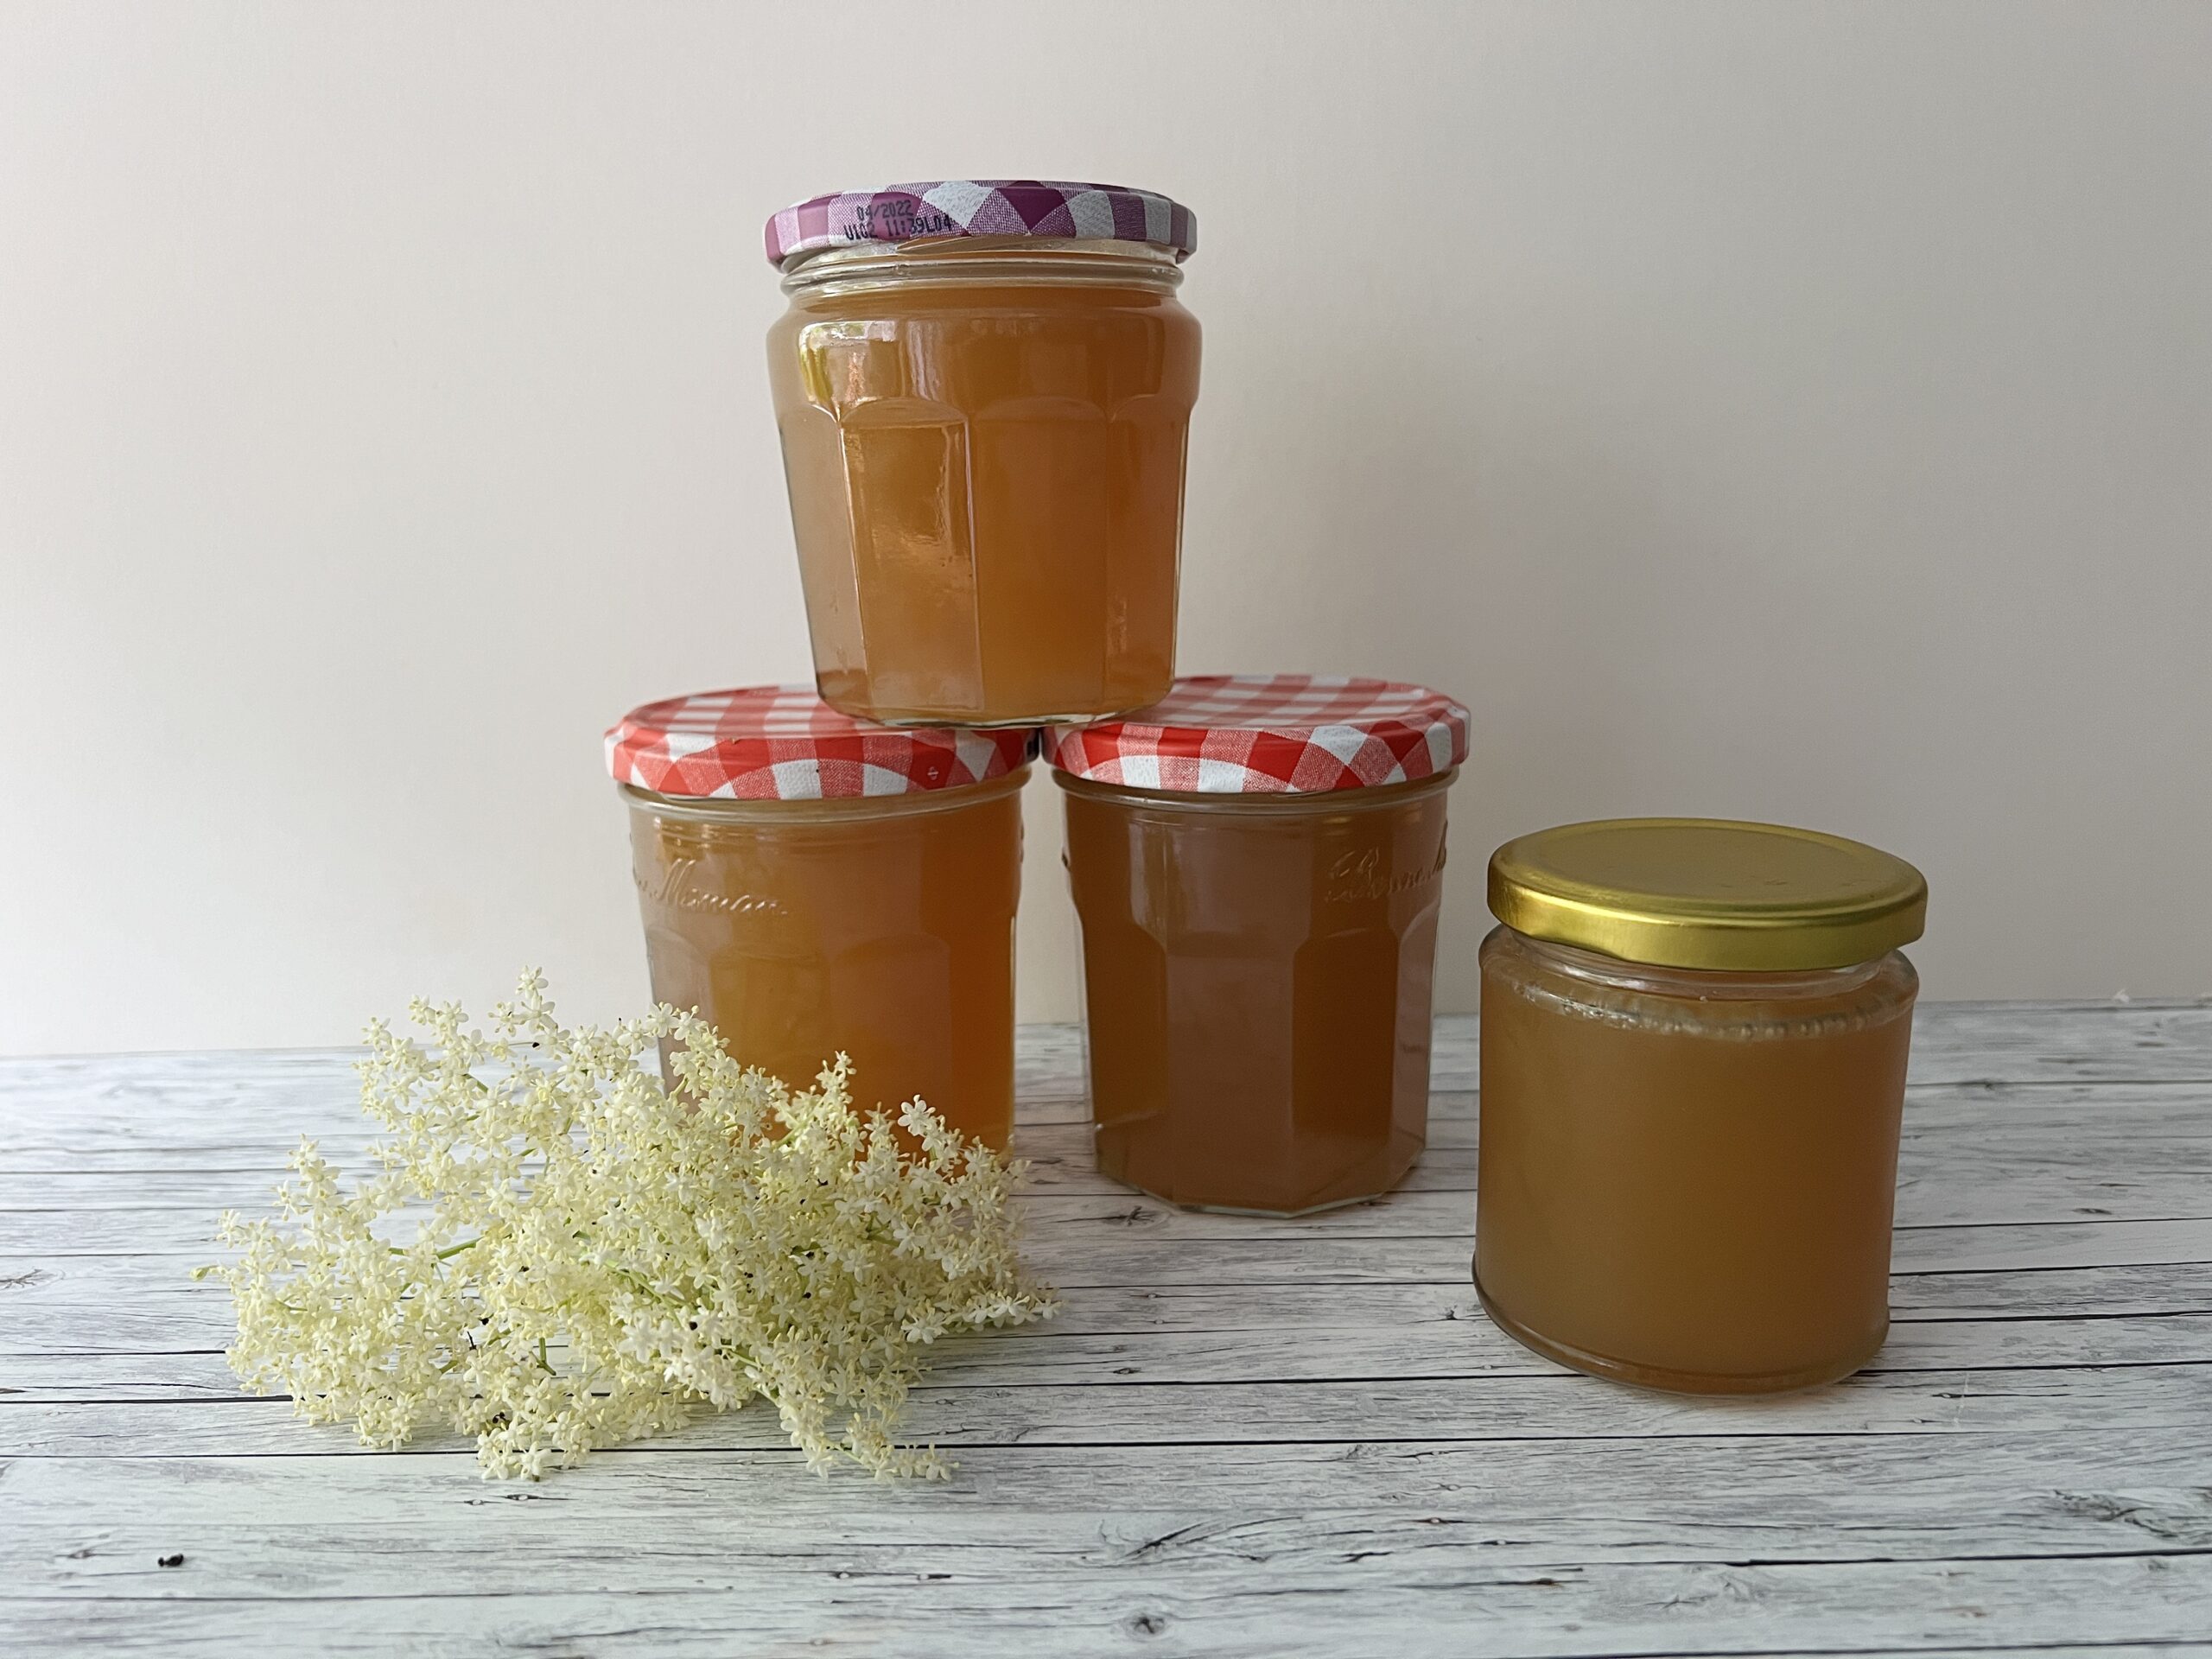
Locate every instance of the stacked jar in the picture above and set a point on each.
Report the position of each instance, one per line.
(984, 390)
(812, 885)
(1257, 865)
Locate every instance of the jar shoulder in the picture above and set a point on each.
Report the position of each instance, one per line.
(1573, 983)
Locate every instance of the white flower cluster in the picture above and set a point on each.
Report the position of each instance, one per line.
(589, 1253)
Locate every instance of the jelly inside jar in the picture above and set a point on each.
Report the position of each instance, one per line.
(986, 481)
(1686, 1179)
(1257, 976)
(883, 928)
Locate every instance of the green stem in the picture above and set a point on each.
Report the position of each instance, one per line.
(446, 1254)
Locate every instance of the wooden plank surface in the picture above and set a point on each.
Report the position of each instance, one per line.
(1241, 1436)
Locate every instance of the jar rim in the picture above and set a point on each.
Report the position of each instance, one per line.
(1321, 800)
(984, 259)
(1657, 979)
(1708, 894)
(762, 807)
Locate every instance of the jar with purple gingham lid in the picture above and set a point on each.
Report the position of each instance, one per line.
(983, 388)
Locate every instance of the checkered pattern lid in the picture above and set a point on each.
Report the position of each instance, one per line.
(784, 743)
(1269, 734)
(904, 212)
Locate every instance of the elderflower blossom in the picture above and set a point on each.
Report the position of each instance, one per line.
(588, 1254)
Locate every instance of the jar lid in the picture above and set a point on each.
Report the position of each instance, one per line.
(784, 743)
(1708, 893)
(934, 207)
(1269, 734)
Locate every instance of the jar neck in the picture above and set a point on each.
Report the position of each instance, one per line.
(1024, 261)
(1371, 798)
(843, 810)
(1765, 985)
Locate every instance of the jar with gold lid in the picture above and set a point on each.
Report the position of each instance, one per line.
(1693, 1043)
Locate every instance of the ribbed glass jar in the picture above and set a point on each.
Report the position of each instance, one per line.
(983, 439)
(881, 925)
(1257, 984)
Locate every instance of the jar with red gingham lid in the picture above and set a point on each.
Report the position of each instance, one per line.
(1257, 865)
(812, 884)
(983, 388)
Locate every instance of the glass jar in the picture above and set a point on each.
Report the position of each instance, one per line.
(1257, 954)
(1693, 1046)
(825, 917)
(984, 438)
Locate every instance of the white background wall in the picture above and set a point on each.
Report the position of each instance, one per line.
(1799, 412)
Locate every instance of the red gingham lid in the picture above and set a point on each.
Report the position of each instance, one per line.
(784, 743)
(904, 212)
(1269, 734)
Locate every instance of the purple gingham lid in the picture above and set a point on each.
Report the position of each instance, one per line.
(904, 212)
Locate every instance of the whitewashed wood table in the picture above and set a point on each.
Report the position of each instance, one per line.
(1241, 1436)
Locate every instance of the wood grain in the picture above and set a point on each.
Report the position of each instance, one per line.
(1241, 1437)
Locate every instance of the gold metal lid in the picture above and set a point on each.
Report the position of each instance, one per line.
(1708, 893)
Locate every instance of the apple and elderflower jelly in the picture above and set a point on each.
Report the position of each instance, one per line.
(983, 389)
(1257, 864)
(1693, 1043)
(811, 884)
